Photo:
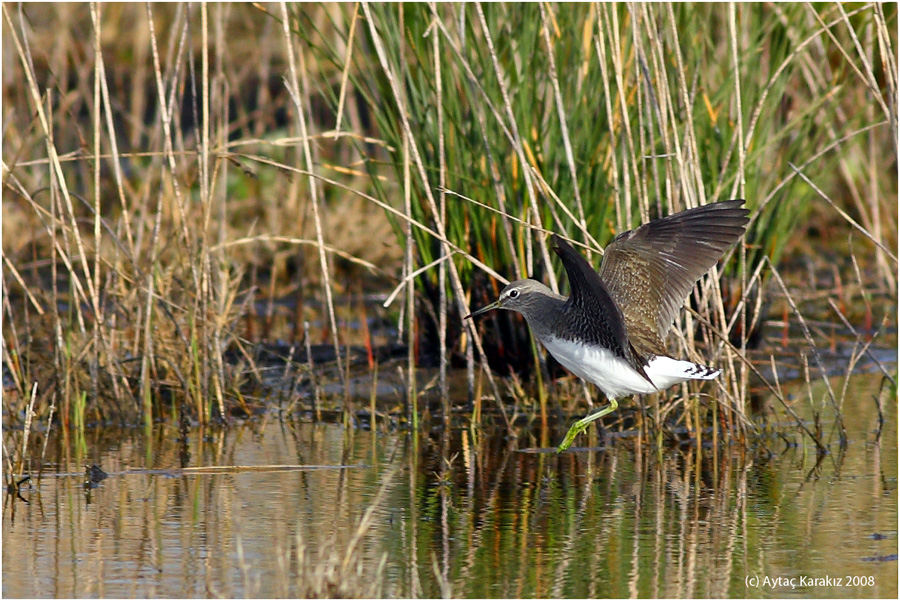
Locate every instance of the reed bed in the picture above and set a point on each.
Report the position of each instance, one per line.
(167, 170)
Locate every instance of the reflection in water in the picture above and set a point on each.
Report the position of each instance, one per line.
(467, 514)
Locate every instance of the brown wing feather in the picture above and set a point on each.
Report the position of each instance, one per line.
(649, 271)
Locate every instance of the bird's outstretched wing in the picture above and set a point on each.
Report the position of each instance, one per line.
(649, 271)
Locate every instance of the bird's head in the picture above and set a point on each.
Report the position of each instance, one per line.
(522, 296)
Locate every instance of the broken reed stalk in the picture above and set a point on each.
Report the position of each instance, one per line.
(29, 417)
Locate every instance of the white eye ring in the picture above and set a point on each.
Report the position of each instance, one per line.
(513, 293)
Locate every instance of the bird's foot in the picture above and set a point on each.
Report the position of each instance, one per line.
(582, 424)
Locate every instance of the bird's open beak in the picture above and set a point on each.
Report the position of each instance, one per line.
(491, 307)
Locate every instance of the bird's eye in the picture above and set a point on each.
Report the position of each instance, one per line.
(513, 293)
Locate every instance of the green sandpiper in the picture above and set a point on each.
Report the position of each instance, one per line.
(611, 330)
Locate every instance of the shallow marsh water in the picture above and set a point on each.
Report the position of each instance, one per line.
(474, 515)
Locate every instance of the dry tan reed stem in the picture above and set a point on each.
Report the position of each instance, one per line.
(738, 191)
(650, 103)
(217, 292)
(18, 277)
(98, 58)
(293, 88)
(103, 342)
(600, 49)
(798, 48)
(833, 145)
(12, 353)
(442, 201)
(299, 241)
(112, 139)
(406, 278)
(57, 183)
(888, 66)
(47, 434)
(548, 191)
(499, 191)
(412, 396)
(525, 224)
(346, 70)
(869, 76)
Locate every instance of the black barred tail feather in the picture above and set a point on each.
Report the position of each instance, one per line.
(665, 371)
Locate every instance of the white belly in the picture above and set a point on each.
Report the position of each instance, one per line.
(615, 377)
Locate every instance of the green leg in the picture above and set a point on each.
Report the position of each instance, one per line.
(582, 424)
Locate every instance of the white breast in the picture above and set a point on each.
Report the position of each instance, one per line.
(615, 377)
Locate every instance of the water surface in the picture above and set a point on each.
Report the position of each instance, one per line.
(468, 515)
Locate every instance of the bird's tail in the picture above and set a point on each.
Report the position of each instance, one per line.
(665, 371)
